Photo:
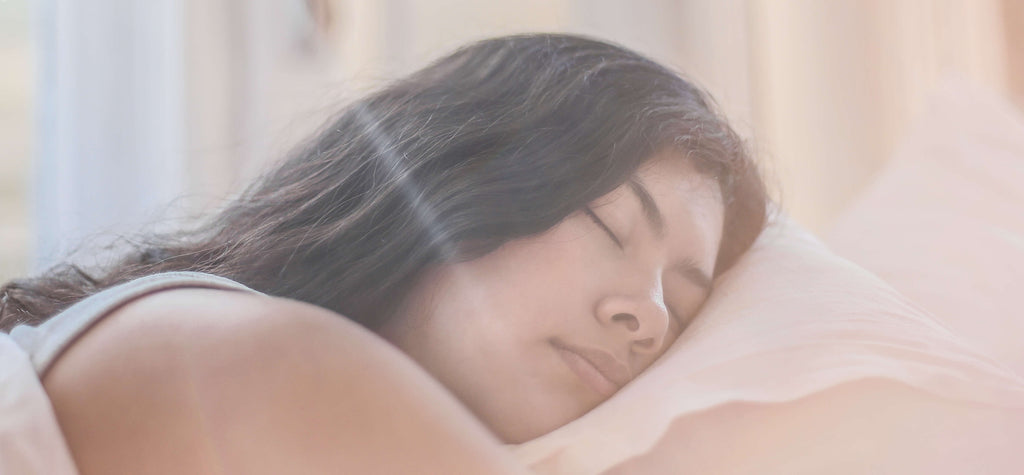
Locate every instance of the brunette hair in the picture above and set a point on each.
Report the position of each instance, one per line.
(499, 140)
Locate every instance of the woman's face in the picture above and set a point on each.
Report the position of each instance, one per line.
(543, 329)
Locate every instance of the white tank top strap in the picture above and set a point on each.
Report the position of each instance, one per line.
(47, 341)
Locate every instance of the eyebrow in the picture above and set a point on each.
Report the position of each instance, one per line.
(688, 268)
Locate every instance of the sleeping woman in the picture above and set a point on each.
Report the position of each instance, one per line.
(476, 254)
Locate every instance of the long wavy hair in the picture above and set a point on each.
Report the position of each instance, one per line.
(500, 140)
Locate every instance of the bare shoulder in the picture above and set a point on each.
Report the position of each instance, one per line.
(212, 381)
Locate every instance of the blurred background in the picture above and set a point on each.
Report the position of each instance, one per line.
(120, 113)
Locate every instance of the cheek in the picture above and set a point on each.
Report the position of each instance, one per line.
(536, 285)
(483, 330)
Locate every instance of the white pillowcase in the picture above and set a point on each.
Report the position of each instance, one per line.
(944, 223)
(790, 320)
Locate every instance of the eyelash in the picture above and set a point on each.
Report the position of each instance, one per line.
(600, 223)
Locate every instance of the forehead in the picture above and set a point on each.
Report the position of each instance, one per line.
(673, 174)
(689, 200)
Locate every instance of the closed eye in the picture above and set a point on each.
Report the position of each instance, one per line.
(603, 226)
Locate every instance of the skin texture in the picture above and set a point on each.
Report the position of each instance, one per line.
(490, 329)
(212, 381)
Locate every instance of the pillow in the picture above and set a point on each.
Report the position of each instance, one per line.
(794, 337)
(944, 222)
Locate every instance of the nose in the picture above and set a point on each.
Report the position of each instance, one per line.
(642, 319)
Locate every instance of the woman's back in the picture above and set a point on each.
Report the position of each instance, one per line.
(200, 380)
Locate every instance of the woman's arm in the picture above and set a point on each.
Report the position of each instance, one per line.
(207, 381)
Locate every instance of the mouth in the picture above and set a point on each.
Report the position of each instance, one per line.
(597, 369)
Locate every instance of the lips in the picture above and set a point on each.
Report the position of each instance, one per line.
(598, 369)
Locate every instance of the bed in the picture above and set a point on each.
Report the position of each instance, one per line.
(895, 348)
